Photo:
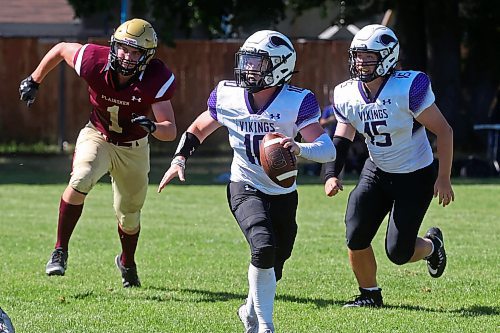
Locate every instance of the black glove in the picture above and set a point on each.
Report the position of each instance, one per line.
(143, 121)
(28, 89)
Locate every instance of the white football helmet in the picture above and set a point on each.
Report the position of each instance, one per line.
(266, 59)
(138, 34)
(380, 40)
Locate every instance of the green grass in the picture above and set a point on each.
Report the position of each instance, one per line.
(192, 260)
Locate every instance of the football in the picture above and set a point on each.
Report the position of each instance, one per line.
(279, 163)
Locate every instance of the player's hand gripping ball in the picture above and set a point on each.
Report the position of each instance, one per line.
(279, 163)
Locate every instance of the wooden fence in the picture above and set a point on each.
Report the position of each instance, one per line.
(62, 106)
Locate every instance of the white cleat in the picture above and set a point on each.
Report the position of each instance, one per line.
(250, 322)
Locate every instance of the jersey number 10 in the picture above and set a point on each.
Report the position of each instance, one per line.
(252, 144)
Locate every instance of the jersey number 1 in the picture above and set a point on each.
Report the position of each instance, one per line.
(113, 119)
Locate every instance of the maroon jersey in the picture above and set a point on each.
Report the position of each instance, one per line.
(112, 107)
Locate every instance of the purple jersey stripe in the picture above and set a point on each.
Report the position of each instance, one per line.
(308, 109)
(212, 103)
(418, 91)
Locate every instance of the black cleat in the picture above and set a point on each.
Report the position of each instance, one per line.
(129, 274)
(57, 263)
(367, 298)
(436, 262)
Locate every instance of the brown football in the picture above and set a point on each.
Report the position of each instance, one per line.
(279, 163)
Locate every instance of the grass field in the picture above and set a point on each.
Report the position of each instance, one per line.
(192, 260)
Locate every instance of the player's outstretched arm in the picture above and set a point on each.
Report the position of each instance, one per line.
(62, 51)
(202, 127)
(176, 169)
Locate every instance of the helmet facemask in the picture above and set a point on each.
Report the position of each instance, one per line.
(379, 40)
(128, 67)
(265, 60)
(253, 71)
(357, 73)
(139, 35)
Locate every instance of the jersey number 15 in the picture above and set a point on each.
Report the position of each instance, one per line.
(371, 130)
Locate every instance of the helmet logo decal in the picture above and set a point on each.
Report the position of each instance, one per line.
(277, 41)
(387, 39)
(130, 40)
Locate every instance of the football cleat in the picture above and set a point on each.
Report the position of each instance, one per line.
(367, 298)
(5, 323)
(436, 262)
(250, 323)
(129, 274)
(57, 263)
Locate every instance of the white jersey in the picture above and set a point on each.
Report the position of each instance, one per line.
(397, 143)
(289, 110)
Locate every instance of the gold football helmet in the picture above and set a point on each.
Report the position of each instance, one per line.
(138, 34)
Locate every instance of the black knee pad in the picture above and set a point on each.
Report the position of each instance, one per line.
(399, 256)
(263, 257)
(357, 244)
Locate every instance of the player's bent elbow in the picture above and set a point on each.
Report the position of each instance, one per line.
(322, 150)
(333, 155)
(445, 133)
(167, 134)
(330, 152)
(329, 157)
(450, 131)
(172, 134)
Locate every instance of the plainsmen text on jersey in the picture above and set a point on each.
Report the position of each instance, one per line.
(287, 112)
(397, 143)
(112, 107)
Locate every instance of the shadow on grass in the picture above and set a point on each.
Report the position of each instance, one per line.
(472, 311)
(191, 295)
(207, 296)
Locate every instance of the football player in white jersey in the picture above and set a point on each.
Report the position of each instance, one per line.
(392, 109)
(260, 101)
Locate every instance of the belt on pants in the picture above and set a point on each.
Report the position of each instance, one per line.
(134, 143)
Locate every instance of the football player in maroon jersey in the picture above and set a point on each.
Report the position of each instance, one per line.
(124, 83)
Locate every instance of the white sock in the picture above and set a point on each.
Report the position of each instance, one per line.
(432, 251)
(372, 288)
(263, 284)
